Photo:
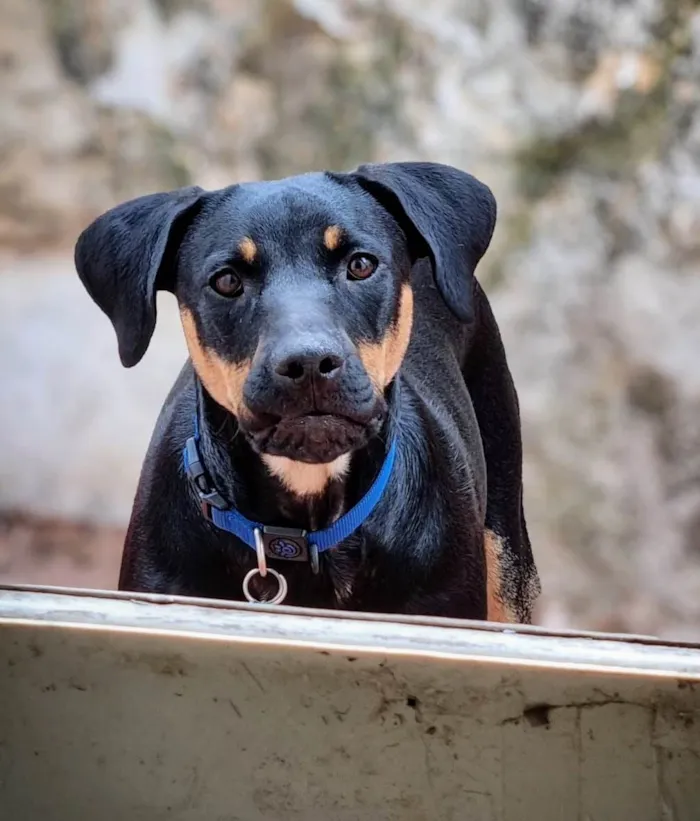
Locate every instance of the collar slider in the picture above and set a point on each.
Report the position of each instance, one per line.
(287, 543)
(208, 495)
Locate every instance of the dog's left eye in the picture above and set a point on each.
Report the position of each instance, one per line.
(227, 283)
(361, 266)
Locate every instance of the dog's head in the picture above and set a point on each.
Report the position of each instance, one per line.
(295, 295)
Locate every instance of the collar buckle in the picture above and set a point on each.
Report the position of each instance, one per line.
(208, 495)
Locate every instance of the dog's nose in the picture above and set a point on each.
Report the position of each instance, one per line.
(300, 367)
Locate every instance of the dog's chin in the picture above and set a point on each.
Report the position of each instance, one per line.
(314, 438)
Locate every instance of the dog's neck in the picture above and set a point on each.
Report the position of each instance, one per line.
(279, 491)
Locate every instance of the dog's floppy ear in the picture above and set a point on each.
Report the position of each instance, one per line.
(125, 255)
(446, 213)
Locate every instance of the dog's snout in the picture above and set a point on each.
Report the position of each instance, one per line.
(299, 367)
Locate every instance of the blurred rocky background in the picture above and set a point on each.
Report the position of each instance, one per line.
(582, 115)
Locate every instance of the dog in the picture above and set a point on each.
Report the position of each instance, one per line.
(345, 433)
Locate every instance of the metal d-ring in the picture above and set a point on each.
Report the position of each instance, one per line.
(263, 570)
(260, 551)
(279, 596)
(313, 557)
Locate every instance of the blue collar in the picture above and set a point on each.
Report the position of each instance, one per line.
(291, 544)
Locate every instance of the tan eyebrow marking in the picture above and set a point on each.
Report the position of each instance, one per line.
(332, 236)
(248, 249)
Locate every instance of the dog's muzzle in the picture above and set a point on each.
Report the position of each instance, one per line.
(311, 407)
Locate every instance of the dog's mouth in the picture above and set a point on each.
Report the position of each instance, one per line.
(315, 437)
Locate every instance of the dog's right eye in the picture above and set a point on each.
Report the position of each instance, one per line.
(361, 266)
(227, 283)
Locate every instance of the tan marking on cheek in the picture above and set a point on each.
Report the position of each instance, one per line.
(332, 236)
(399, 339)
(497, 609)
(223, 380)
(304, 479)
(373, 359)
(383, 360)
(248, 249)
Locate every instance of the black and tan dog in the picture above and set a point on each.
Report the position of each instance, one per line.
(346, 400)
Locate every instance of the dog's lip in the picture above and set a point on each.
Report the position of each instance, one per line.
(267, 421)
(318, 416)
(264, 430)
(311, 437)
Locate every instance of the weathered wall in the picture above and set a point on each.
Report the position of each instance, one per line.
(584, 117)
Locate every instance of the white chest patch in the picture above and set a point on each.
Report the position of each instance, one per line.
(304, 479)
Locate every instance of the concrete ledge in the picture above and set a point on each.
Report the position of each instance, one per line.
(116, 706)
